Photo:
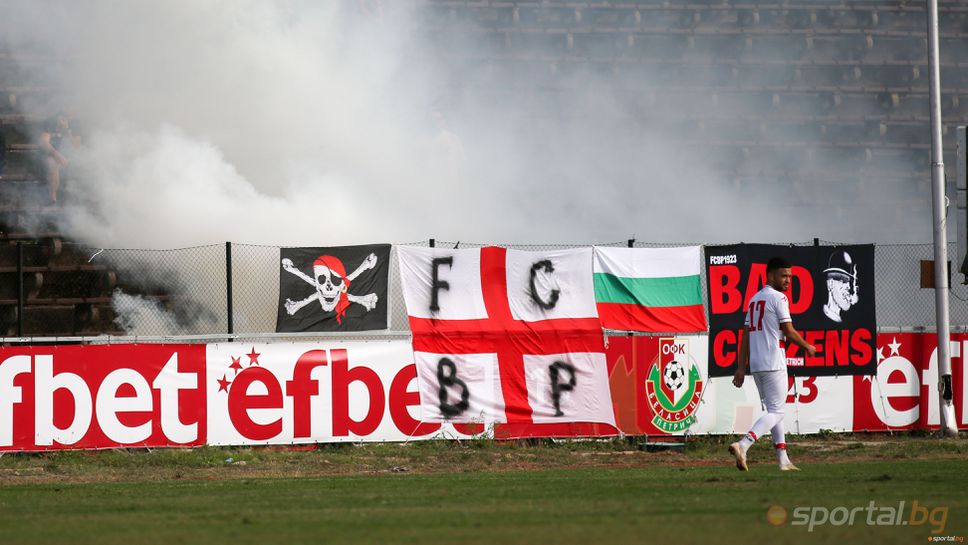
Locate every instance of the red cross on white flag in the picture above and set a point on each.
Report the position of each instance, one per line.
(506, 336)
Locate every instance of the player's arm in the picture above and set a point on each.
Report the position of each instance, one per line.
(782, 307)
(794, 337)
(743, 361)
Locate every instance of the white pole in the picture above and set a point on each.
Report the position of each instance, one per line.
(948, 423)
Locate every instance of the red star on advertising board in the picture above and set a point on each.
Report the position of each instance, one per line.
(253, 357)
(223, 384)
(236, 365)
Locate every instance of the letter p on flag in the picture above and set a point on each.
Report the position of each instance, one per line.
(514, 338)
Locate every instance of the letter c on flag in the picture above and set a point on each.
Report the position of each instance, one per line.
(553, 299)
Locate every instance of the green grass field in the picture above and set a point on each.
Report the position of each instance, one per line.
(479, 492)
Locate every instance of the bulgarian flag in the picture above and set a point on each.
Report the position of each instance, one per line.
(653, 290)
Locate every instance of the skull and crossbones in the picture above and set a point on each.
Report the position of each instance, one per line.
(332, 285)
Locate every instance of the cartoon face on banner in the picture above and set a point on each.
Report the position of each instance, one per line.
(831, 303)
(318, 292)
(842, 286)
(332, 283)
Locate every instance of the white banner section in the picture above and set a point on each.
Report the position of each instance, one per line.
(275, 394)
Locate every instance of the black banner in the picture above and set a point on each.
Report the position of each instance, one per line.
(831, 302)
(342, 288)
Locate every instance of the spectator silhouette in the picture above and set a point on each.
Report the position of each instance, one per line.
(56, 135)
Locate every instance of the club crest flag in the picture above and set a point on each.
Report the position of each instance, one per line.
(506, 336)
(656, 290)
(340, 288)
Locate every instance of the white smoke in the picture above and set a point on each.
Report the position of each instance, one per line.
(251, 121)
(313, 123)
(295, 122)
(137, 315)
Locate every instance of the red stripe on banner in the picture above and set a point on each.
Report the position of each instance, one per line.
(490, 343)
(625, 317)
(501, 334)
(491, 326)
(510, 361)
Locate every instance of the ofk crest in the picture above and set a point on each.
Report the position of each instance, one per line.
(674, 386)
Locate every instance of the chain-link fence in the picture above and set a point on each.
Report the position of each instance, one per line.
(901, 302)
(51, 289)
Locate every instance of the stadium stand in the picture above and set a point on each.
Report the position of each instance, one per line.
(773, 84)
(850, 76)
(64, 295)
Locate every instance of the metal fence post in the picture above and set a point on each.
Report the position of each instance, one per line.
(949, 423)
(228, 286)
(20, 288)
(433, 243)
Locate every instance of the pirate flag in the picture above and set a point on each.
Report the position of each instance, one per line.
(341, 288)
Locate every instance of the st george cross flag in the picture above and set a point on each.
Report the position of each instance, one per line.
(506, 336)
(649, 289)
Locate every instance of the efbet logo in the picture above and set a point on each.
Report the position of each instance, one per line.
(871, 515)
(674, 386)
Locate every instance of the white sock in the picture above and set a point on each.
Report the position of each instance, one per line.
(747, 441)
(781, 454)
(778, 434)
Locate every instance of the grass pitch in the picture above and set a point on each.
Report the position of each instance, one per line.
(480, 492)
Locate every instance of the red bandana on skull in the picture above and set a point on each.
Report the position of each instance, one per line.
(335, 267)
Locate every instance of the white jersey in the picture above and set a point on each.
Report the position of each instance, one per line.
(767, 310)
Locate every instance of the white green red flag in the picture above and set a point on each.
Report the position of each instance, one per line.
(654, 290)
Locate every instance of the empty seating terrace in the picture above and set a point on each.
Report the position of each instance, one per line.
(850, 76)
(766, 87)
(48, 286)
(63, 295)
